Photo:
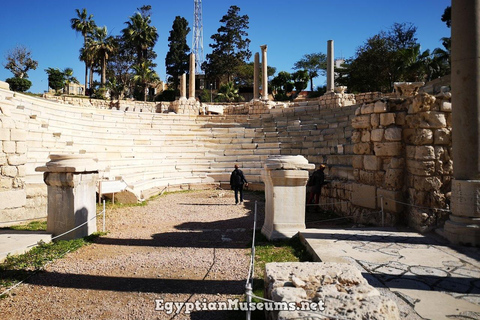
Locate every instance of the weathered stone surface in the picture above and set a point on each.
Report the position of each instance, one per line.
(371, 162)
(362, 148)
(387, 148)
(380, 107)
(365, 136)
(391, 200)
(387, 119)
(12, 199)
(442, 136)
(377, 135)
(361, 122)
(424, 153)
(367, 177)
(367, 109)
(432, 120)
(364, 195)
(427, 183)
(421, 168)
(393, 134)
(422, 102)
(375, 120)
(418, 136)
(394, 178)
(340, 285)
(357, 161)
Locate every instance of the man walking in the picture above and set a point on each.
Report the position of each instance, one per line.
(237, 179)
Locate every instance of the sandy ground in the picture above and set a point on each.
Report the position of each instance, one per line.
(183, 247)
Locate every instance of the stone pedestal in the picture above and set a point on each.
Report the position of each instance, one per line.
(285, 178)
(71, 181)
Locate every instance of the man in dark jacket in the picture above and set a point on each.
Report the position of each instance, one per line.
(237, 179)
(316, 181)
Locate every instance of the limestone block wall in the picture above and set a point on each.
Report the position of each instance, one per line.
(402, 153)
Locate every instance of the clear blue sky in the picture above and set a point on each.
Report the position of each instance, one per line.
(289, 28)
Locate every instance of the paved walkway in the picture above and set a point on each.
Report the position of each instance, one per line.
(18, 242)
(425, 273)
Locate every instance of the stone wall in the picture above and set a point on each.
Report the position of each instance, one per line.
(402, 150)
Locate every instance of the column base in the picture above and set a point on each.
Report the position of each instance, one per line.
(282, 231)
(463, 230)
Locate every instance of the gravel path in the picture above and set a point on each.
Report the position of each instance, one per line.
(181, 247)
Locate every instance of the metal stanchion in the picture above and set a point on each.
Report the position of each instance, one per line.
(103, 230)
(383, 213)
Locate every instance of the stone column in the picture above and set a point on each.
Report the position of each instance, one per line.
(464, 224)
(183, 87)
(71, 181)
(285, 178)
(256, 75)
(330, 67)
(191, 89)
(264, 73)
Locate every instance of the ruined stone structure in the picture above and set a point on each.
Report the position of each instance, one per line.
(375, 147)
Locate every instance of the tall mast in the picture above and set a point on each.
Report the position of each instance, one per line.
(198, 37)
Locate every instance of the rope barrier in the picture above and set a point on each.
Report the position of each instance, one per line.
(415, 206)
(23, 220)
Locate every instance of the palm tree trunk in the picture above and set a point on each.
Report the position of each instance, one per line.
(86, 78)
(311, 84)
(104, 70)
(145, 93)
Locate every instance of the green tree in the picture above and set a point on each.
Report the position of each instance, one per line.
(230, 46)
(119, 67)
(228, 93)
(101, 46)
(19, 84)
(244, 74)
(84, 24)
(447, 16)
(19, 61)
(300, 80)
(141, 34)
(314, 63)
(56, 79)
(144, 75)
(176, 61)
(283, 85)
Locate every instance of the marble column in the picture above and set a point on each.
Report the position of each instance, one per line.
(72, 185)
(256, 75)
(191, 88)
(264, 73)
(183, 87)
(464, 224)
(285, 179)
(330, 67)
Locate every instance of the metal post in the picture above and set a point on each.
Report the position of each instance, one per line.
(248, 288)
(383, 213)
(103, 229)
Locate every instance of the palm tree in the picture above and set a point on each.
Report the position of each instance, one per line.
(140, 34)
(100, 45)
(144, 75)
(84, 24)
(229, 93)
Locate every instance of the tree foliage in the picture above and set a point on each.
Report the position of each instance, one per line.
(101, 46)
(230, 47)
(314, 64)
(19, 61)
(447, 16)
(19, 84)
(283, 85)
(144, 75)
(228, 93)
(84, 24)
(140, 33)
(176, 61)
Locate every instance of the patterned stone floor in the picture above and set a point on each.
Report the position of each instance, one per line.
(430, 278)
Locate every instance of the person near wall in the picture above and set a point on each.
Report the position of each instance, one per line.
(237, 180)
(316, 181)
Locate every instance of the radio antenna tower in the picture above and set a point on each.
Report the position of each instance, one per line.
(198, 37)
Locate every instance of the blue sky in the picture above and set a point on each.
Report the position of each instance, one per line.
(289, 28)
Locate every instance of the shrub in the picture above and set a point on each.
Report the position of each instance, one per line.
(19, 84)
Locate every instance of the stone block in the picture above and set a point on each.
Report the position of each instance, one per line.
(375, 120)
(362, 148)
(4, 134)
(391, 200)
(387, 148)
(393, 134)
(426, 183)
(364, 195)
(397, 163)
(371, 162)
(400, 119)
(21, 147)
(418, 136)
(18, 135)
(394, 178)
(365, 136)
(377, 135)
(466, 198)
(16, 160)
(12, 199)
(446, 106)
(367, 109)
(432, 120)
(356, 136)
(9, 146)
(367, 177)
(9, 171)
(361, 122)
(424, 153)
(357, 162)
(421, 168)
(442, 136)
(387, 119)
(380, 107)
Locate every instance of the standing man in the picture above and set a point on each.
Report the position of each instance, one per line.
(237, 179)
(317, 180)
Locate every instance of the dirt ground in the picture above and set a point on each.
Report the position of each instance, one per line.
(182, 247)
